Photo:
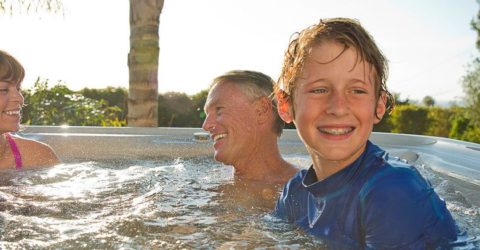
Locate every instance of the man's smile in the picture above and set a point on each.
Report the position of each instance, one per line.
(218, 137)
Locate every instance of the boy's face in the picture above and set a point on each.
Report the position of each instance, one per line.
(335, 105)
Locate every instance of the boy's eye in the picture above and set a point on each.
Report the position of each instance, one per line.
(5, 90)
(318, 91)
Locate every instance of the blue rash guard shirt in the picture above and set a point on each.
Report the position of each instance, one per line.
(373, 203)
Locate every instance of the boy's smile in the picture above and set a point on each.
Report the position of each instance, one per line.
(336, 132)
(334, 106)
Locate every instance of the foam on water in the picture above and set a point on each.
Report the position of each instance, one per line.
(171, 203)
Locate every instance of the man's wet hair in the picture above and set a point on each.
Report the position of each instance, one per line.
(254, 85)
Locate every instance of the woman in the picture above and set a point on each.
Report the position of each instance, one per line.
(16, 151)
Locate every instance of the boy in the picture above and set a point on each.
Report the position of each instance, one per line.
(333, 87)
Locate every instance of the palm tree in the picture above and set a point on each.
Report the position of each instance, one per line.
(143, 63)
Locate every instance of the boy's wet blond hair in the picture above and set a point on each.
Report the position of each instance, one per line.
(345, 31)
(11, 70)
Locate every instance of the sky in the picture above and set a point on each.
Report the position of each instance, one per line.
(429, 43)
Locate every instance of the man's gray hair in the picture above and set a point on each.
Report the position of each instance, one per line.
(254, 85)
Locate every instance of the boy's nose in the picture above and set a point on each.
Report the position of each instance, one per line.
(337, 104)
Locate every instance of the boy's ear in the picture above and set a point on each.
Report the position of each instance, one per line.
(284, 107)
(381, 107)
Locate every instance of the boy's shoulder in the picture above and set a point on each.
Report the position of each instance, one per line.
(386, 167)
(395, 176)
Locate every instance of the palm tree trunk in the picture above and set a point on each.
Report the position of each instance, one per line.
(143, 63)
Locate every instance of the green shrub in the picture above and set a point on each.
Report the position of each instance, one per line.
(410, 119)
(59, 105)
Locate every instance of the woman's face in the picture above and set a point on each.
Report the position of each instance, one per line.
(11, 102)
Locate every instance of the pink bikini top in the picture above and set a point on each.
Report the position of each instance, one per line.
(15, 151)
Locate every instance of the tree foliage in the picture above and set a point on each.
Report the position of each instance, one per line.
(174, 110)
(410, 119)
(463, 128)
(110, 96)
(439, 120)
(471, 88)
(475, 24)
(59, 105)
(466, 124)
(20, 6)
(180, 110)
(198, 114)
(428, 101)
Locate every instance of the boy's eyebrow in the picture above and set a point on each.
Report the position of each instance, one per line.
(316, 80)
(323, 79)
(360, 80)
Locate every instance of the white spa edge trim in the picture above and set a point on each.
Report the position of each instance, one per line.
(455, 158)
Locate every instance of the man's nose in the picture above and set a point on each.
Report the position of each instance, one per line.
(208, 124)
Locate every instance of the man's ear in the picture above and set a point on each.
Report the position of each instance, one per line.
(263, 109)
(283, 106)
(381, 108)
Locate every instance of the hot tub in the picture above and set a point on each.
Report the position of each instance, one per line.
(159, 188)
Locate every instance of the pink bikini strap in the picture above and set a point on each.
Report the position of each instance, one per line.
(15, 151)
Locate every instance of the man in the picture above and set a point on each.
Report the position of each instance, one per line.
(244, 125)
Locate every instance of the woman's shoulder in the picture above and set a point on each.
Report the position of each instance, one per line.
(35, 153)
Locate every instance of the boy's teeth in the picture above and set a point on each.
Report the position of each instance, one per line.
(336, 131)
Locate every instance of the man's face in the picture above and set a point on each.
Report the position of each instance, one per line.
(231, 122)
